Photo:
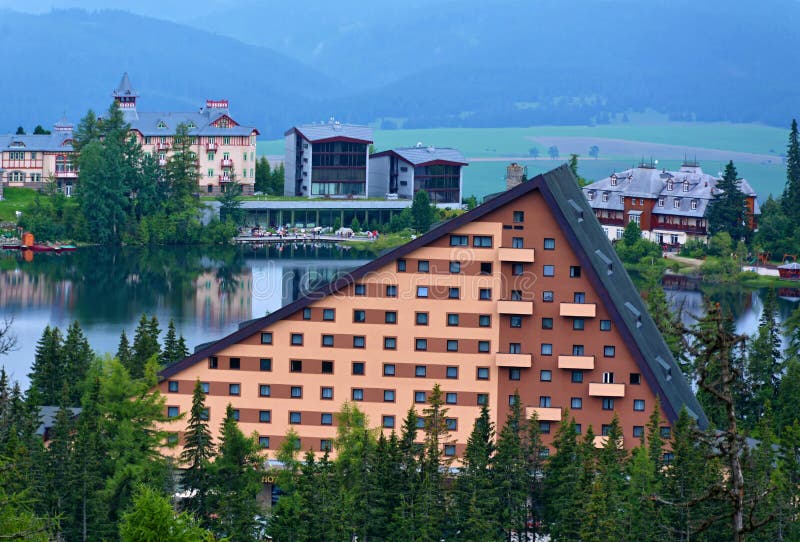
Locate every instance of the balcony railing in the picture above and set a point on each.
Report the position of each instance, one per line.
(66, 174)
(523, 255)
(522, 308)
(579, 310)
(162, 162)
(608, 221)
(226, 162)
(597, 389)
(585, 363)
(687, 228)
(225, 179)
(162, 146)
(211, 147)
(545, 414)
(513, 360)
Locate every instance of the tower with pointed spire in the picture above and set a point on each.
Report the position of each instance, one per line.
(125, 97)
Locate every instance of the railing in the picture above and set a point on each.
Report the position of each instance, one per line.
(226, 162)
(162, 162)
(211, 147)
(688, 228)
(606, 221)
(162, 146)
(225, 179)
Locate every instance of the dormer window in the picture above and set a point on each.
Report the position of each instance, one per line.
(161, 125)
(685, 186)
(670, 184)
(591, 195)
(660, 202)
(190, 125)
(613, 180)
(677, 203)
(694, 204)
(605, 196)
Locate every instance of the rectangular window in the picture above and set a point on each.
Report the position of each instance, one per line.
(609, 351)
(263, 442)
(665, 432)
(517, 242)
(359, 316)
(459, 240)
(329, 315)
(578, 324)
(548, 270)
(265, 416)
(205, 414)
(485, 320)
(638, 405)
(172, 386)
(306, 314)
(264, 390)
(636, 379)
(327, 367)
(266, 338)
(265, 364)
(358, 367)
(486, 268)
(388, 396)
(638, 431)
(514, 373)
(605, 429)
(608, 378)
(485, 294)
(451, 398)
(327, 340)
(422, 291)
(482, 241)
(388, 422)
(401, 266)
(516, 295)
(482, 399)
(482, 373)
(574, 271)
(547, 296)
(296, 392)
(452, 345)
(359, 341)
(326, 418)
(173, 412)
(421, 344)
(423, 266)
(361, 289)
(451, 424)
(545, 401)
(297, 339)
(234, 389)
(576, 403)
(388, 369)
(452, 319)
(421, 318)
(578, 350)
(547, 323)
(449, 450)
(390, 317)
(325, 445)
(577, 376)
(453, 293)
(547, 349)
(514, 348)
(391, 290)
(390, 343)
(605, 325)
(608, 403)
(455, 267)
(358, 394)
(420, 397)
(296, 366)
(205, 386)
(546, 375)
(235, 363)
(579, 297)
(295, 418)
(517, 269)
(451, 372)
(544, 428)
(326, 393)
(515, 321)
(549, 243)
(483, 346)
(519, 216)
(420, 371)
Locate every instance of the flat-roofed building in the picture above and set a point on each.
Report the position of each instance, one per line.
(522, 295)
(327, 160)
(225, 149)
(407, 170)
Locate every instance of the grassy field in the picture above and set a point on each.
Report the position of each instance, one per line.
(754, 149)
(14, 199)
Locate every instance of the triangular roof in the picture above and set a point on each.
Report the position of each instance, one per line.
(560, 190)
(421, 155)
(124, 88)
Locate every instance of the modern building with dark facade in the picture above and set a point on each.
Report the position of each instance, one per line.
(327, 160)
(407, 170)
(522, 295)
(669, 206)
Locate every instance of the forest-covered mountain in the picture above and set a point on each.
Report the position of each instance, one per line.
(445, 63)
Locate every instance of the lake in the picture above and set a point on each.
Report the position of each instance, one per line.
(209, 291)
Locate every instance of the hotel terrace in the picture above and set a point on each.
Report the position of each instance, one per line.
(523, 294)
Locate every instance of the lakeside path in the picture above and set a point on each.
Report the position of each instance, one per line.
(695, 264)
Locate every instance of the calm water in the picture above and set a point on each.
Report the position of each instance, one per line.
(206, 291)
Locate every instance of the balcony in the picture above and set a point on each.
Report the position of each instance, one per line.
(211, 147)
(545, 414)
(600, 442)
(162, 162)
(596, 389)
(585, 363)
(686, 228)
(579, 310)
(162, 146)
(225, 179)
(66, 174)
(226, 162)
(523, 255)
(513, 360)
(522, 308)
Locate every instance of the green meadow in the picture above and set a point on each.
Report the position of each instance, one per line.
(754, 148)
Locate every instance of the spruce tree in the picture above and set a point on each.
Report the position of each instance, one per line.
(727, 211)
(78, 357)
(174, 347)
(47, 374)
(791, 193)
(476, 503)
(182, 172)
(145, 345)
(564, 483)
(764, 363)
(196, 457)
(509, 472)
(124, 352)
(422, 211)
(405, 523)
(432, 496)
(603, 517)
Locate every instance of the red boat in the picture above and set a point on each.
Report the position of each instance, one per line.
(789, 271)
(9, 246)
(42, 248)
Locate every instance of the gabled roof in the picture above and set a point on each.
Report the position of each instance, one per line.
(147, 123)
(420, 155)
(577, 221)
(58, 141)
(333, 130)
(124, 88)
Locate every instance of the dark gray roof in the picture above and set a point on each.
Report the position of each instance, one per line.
(147, 123)
(421, 154)
(329, 130)
(124, 88)
(47, 417)
(57, 141)
(604, 269)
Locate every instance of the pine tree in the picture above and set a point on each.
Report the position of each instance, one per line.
(764, 364)
(151, 518)
(509, 471)
(182, 172)
(406, 517)
(60, 456)
(47, 374)
(78, 357)
(727, 210)
(564, 483)
(145, 345)
(422, 211)
(182, 351)
(639, 509)
(124, 352)
(432, 497)
(791, 330)
(263, 175)
(174, 347)
(198, 451)
(603, 517)
(287, 515)
(787, 410)
(791, 193)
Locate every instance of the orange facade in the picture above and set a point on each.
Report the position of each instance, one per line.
(502, 300)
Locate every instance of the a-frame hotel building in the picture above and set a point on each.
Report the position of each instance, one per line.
(522, 294)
